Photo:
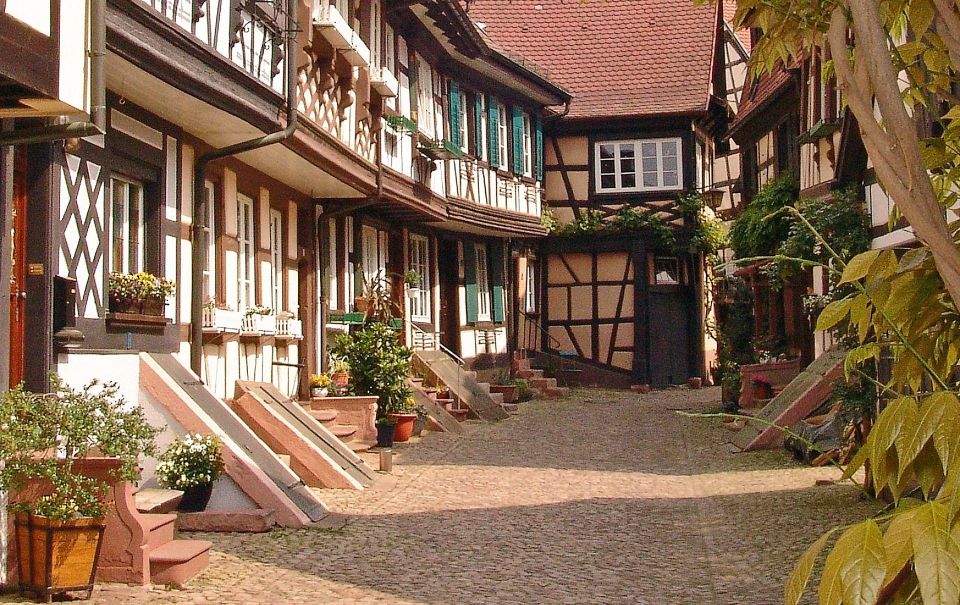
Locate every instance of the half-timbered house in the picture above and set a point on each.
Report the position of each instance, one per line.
(640, 132)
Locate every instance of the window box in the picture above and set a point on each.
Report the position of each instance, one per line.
(256, 324)
(441, 150)
(221, 320)
(136, 320)
(819, 130)
(384, 82)
(346, 319)
(401, 123)
(289, 329)
(333, 28)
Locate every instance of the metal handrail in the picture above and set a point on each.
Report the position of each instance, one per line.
(544, 331)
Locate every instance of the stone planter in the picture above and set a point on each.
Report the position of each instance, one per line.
(510, 392)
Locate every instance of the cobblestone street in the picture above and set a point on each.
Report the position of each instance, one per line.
(604, 497)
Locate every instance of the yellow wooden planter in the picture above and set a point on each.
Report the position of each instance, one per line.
(57, 556)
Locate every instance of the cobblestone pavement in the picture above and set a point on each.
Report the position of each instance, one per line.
(603, 497)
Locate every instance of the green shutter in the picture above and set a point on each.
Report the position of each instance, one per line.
(480, 136)
(493, 123)
(470, 280)
(538, 126)
(453, 106)
(496, 281)
(517, 141)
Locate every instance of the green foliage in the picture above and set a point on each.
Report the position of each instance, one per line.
(735, 325)
(761, 227)
(42, 436)
(320, 381)
(379, 365)
(139, 286)
(191, 461)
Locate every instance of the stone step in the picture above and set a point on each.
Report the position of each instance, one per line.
(484, 386)
(179, 560)
(160, 529)
(255, 520)
(542, 383)
(530, 374)
(497, 397)
(343, 431)
(324, 416)
(360, 446)
(523, 364)
(511, 408)
(555, 392)
(156, 500)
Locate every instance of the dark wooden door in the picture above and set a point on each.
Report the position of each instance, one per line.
(449, 266)
(669, 336)
(18, 273)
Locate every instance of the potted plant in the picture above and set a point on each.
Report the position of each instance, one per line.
(411, 279)
(505, 385)
(379, 365)
(48, 445)
(319, 385)
(191, 465)
(142, 293)
(385, 431)
(762, 389)
(404, 417)
(341, 375)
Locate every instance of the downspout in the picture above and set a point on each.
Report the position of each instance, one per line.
(98, 93)
(199, 256)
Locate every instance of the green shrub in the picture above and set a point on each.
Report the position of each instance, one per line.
(379, 365)
(755, 232)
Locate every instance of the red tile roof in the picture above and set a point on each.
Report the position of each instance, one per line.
(617, 57)
(757, 93)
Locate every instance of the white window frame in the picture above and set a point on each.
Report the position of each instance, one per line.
(376, 41)
(530, 300)
(418, 259)
(127, 243)
(246, 254)
(502, 134)
(638, 165)
(484, 301)
(210, 234)
(482, 140)
(276, 259)
(426, 121)
(527, 146)
(464, 127)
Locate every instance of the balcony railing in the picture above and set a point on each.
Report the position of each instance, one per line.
(290, 329)
(331, 25)
(248, 33)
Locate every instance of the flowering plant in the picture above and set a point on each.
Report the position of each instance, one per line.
(761, 379)
(320, 381)
(258, 310)
(191, 461)
(139, 286)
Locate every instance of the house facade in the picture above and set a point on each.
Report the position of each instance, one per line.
(416, 147)
(640, 132)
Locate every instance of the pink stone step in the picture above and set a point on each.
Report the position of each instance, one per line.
(177, 561)
(542, 383)
(157, 501)
(324, 416)
(161, 529)
(360, 446)
(529, 374)
(552, 392)
(523, 364)
(342, 431)
(246, 521)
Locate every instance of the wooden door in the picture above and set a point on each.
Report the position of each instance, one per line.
(449, 265)
(18, 273)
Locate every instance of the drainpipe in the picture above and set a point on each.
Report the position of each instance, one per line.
(199, 256)
(98, 93)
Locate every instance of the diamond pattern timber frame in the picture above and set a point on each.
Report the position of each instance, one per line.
(82, 231)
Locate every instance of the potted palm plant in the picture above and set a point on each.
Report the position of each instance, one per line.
(192, 464)
(50, 446)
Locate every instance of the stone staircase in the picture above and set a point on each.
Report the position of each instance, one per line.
(544, 388)
(440, 369)
(348, 433)
(460, 411)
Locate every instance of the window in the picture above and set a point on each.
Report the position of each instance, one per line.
(527, 146)
(389, 49)
(128, 233)
(210, 233)
(376, 46)
(480, 138)
(659, 167)
(502, 135)
(530, 300)
(666, 271)
(425, 120)
(462, 120)
(276, 260)
(483, 284)
(245, 258)
(419, 259)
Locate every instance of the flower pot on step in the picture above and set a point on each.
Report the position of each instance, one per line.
(341, 380)
(404, 426)
(762, 390)
(511, 393)
(195, 498)
(694, 382)
(385, 434)
(319, 392)
(56, 556)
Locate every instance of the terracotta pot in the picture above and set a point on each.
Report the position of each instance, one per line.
(57, 556)
(511, 393)
(694, 382)
(195, 498)
(762, 390)
(360, 304)
(341, 380)
(404, 426)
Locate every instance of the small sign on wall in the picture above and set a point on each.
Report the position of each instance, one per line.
(35, 269)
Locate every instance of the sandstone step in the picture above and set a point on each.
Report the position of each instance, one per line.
(542, 383)
(161, 528)
(530, 374)
(177, 561)
(342, 431)
(497, 397)
(325, 416)
(156, 500)
(484, 386)
(256, 520)
(553, 392)
(523, 364)
(360, 446)
(511, 408)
